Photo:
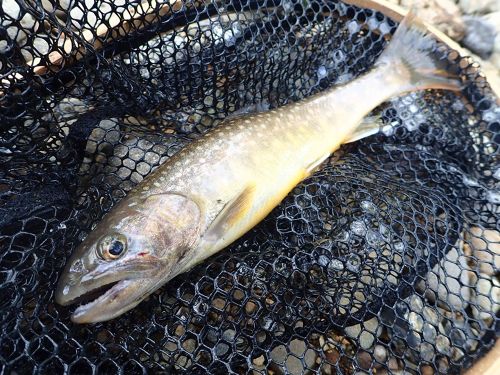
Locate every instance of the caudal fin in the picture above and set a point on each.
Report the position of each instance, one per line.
(412, 50)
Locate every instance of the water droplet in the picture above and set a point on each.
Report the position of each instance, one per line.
(61, 226)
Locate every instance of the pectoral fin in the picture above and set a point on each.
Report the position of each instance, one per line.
(369, 126)
(230, 214)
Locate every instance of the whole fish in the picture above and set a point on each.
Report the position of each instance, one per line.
(221, 185)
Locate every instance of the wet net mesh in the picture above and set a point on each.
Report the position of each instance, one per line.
(385, 260)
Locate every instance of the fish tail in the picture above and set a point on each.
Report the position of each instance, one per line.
(411, 52)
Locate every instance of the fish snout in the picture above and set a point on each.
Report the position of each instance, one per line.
(68, 282)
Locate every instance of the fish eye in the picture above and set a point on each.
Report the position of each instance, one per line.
(112, 247)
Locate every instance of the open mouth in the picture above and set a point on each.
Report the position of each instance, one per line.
(104, 294)
(93, 294)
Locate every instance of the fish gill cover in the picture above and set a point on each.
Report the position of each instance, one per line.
(385, 260)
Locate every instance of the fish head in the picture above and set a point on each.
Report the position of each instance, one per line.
(138, 246)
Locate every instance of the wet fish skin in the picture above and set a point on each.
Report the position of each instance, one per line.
(221, 185)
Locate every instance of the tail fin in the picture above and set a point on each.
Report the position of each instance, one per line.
(413, 48)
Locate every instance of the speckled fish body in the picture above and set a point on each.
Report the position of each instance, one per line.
(221, 185)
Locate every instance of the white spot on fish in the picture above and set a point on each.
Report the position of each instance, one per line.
(132, 204)
(66, 290)
(157, 184)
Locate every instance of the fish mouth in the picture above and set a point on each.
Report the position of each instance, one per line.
(105, 295)
(91, 295)
(95, 310)
(111, 300)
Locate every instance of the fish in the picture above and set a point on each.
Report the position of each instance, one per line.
(222, 184)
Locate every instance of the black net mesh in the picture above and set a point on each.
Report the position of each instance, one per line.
(386, 260)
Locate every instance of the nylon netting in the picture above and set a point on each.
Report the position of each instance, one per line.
(386, 260)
